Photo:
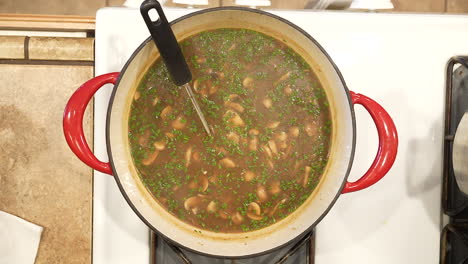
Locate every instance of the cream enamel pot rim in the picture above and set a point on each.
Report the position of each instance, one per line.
(230, 245)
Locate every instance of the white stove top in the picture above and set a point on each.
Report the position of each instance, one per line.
(396, 59)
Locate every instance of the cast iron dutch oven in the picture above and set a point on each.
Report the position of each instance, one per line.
(333, 182)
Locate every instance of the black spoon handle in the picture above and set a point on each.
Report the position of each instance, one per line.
(166, 42)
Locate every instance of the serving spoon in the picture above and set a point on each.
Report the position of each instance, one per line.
(171, 53)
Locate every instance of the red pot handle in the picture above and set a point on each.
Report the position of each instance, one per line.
(73, 121)
(388, 144)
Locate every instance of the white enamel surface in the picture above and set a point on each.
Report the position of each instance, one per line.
(396, 59)
(267, 238)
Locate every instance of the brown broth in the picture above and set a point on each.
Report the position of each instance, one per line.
(271, 124)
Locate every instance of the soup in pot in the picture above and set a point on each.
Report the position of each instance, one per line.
(271, 132)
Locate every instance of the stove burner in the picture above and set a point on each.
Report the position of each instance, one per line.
(454, 246)
(454, 202)
(302, 252)
(454, 238)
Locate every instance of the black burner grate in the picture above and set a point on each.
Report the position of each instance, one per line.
(301, 252)
(454, 238)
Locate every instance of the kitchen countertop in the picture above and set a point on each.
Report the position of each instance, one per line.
(41, 180)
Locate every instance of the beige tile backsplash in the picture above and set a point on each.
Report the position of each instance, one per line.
(47, 48)
(53, 48)
(12, 47)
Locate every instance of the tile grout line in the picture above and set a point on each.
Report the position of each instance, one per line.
(26, 47)
(47, 62)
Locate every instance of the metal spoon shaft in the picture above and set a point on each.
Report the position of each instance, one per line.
(197, 108)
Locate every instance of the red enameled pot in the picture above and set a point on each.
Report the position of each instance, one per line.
(332, 184)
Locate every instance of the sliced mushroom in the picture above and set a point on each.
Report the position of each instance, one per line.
(310, 129)
(253, 144)
(247, 82)
(275, 187)
(213, 89)
(248, 175)
(267, 102)
(137, 95)
(143, 139)
(287, 90)
(254, 211)
(272, 212)
(166, 112)
(150, 158)
(155, 101)
(232, 97)
(192, 185)
(179, 123)
(227, 163)
(237, 121)
(270, 164)
(262, 194)
(224, 215)
(254, 132)
(202, 88)
(267, 151)
(169, 135)
(283, 145)
(201, 59)
(234, 106)
(211, 208)
(254, 217)
(204, 196)
(195, 85)
(204, 183)
(285, 154)
(272, 145)
(188, 156)
(160, 145)
(234, 118)
(221, 150)
(233, 46)
(192, 204)
(254, 208)
(234, 137)
(213, 179)
(196, 156)
(281, 137)
(273, 124)
(294, 131)
(305, 180)
(220, 75)
(237, 218)
(284, 77)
